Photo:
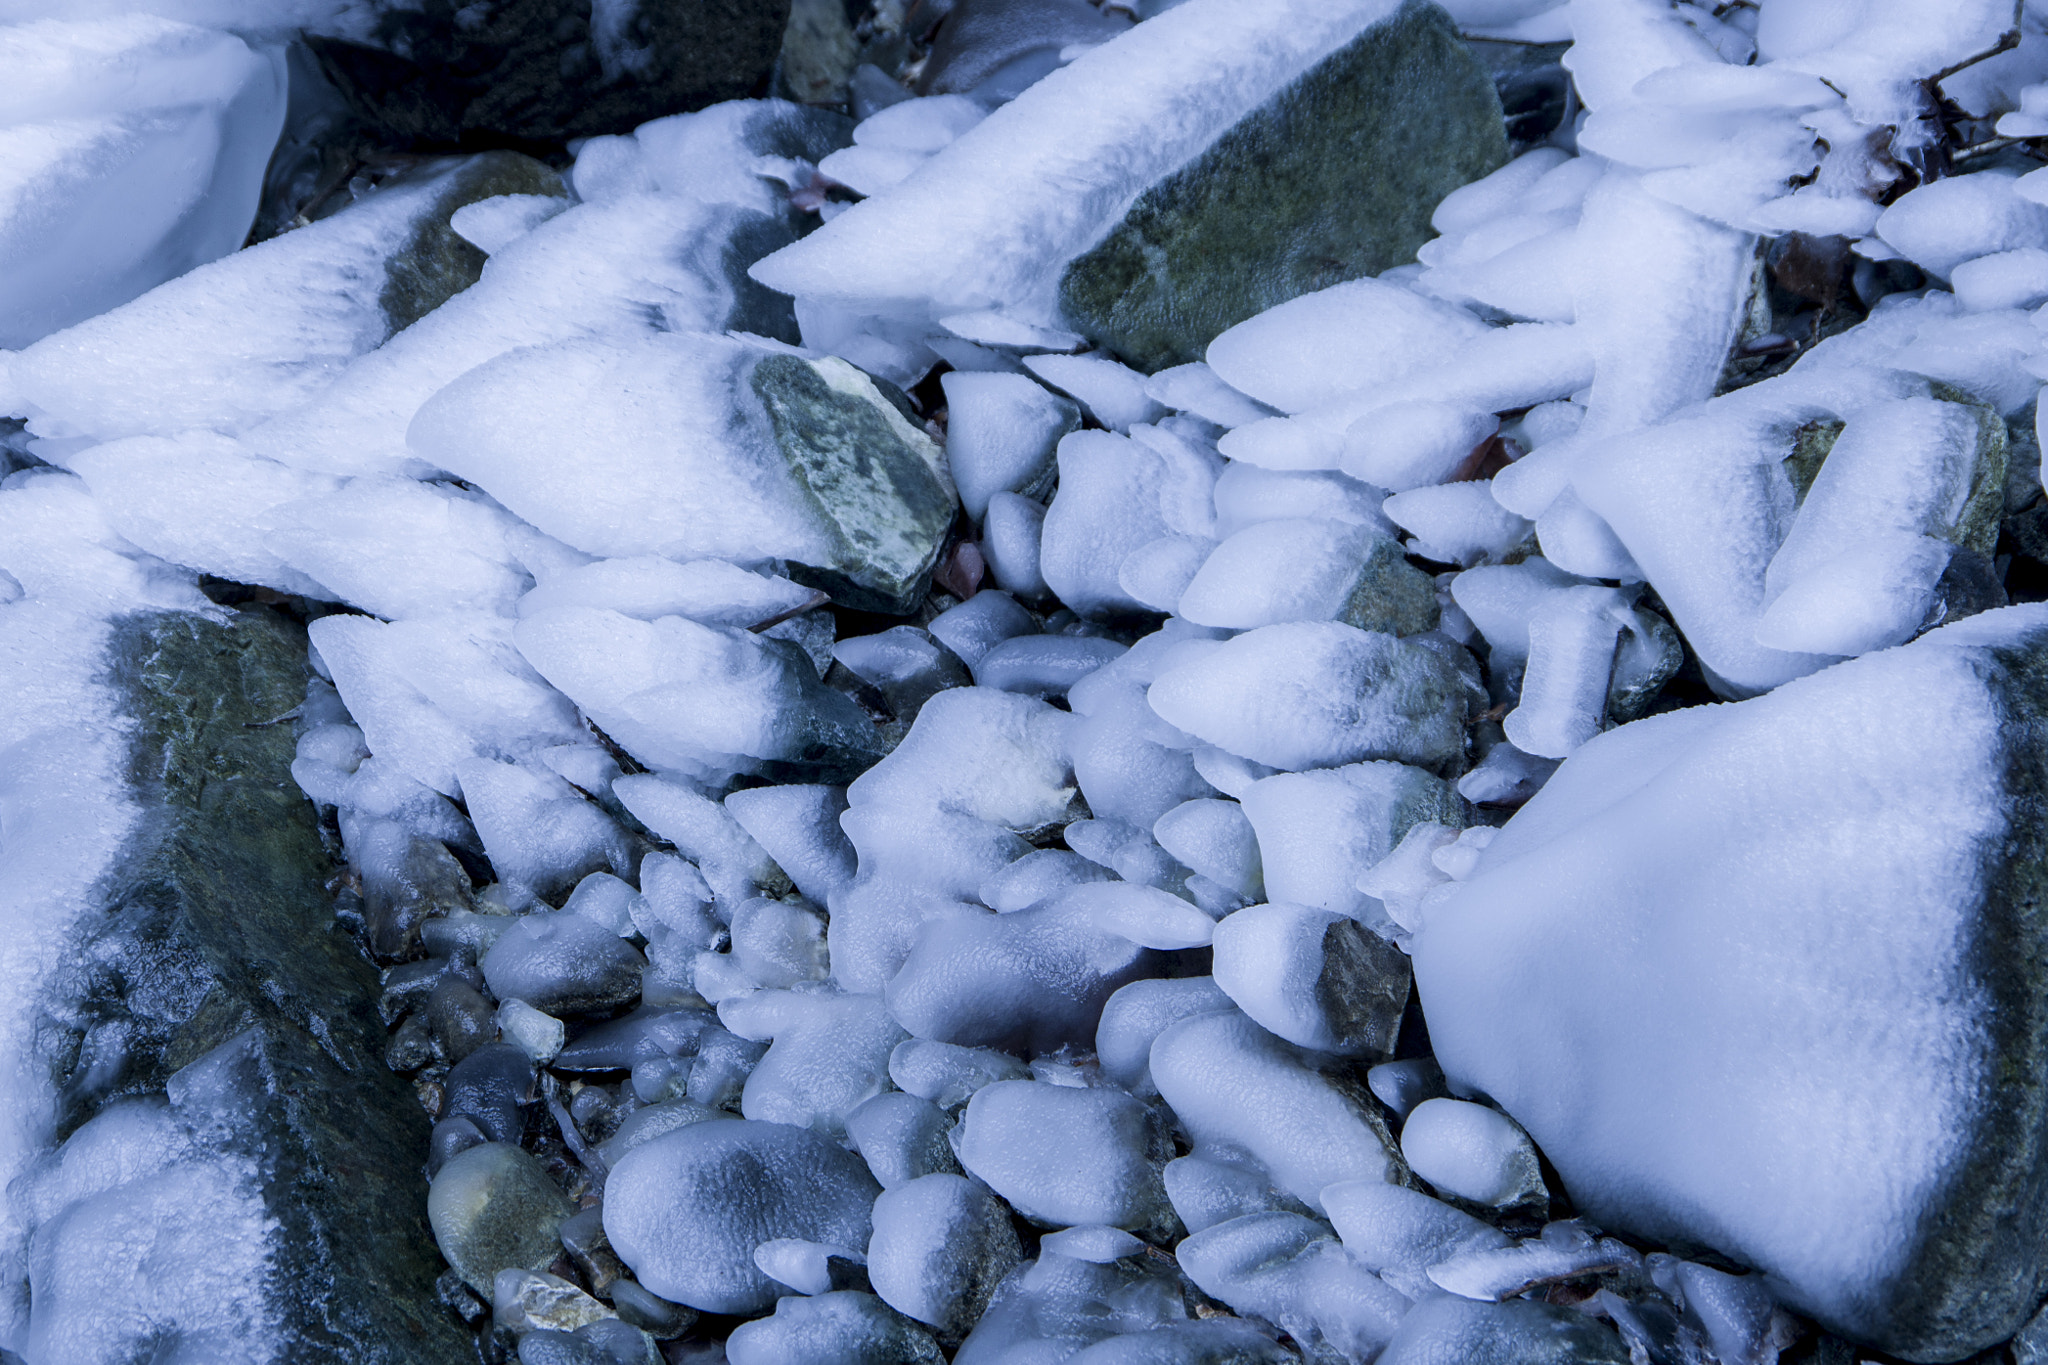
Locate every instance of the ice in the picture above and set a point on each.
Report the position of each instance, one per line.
(686, 1210)
(991, 755)
(1565, 1250)
(1030, 981)
(901, 1137)
(1408, 445)
(1143, 914)
(733, 866)
(2004, 279)
(989, 221)
(1011, 535)
(1000, 434)
(1198, 389)
(755, 705)
(1216, 840)
(1057, 1305)
(1894, 753)
(979, 624)
(201, 501)
(1446, 1327)
(1941, 225)
(1113, 394)
(1108, 505)
(830, 1053)
(1240, 1092)
(941, 1245)
(539, 1035)
(1400, 1233)
(490, 225)
(247, 336)
(657, 445)
(1246, 495)
(798, 826)
(136, 148)
(1305, 569)
(1313, 977)
(948, 1075)
(778, 943)
(1036, 876)
(1044, 665)
(1313, 694)
(844, 1326)
(607, 900)
(1063, 1156)
(1288, 1270)
(1210, 1341)
(399, 548)
(905, 664)
(1473, 1152)
(1321, 346)
(1136, 1015)
(1591, 658)
(1456, 523)
(562, 963)
(644, 587)
(622, 269)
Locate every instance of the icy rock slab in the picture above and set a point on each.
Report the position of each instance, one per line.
(1290, 1271)
(700, 699)
(1050, 208)
(1310, 569)
(216, 943)
(1450, 1328)
(686, 1210)
(136, 148)
(691, 444)
(941, 1246)
(1239, 1091)
(542, 70)
(262, 330)
(1896, 785)
(1065, 1156)
(845, 1326)
(1316, 694)
(1314, 977)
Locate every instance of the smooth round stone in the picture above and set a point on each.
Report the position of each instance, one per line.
(563, 963)
(687, 1210)
(1471, 1151)
(493, 1208)
(942, 1244)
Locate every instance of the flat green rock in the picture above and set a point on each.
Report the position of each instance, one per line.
(1332, 179)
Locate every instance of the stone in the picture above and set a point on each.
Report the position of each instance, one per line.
(871, 473)
(941, 1246)
(528, 1300)
(563, 963)
(686, 1211)
(1398, 118)
(649, 1312)
(1847, 1092)
(493, 1208)
(1006, 44)
(491, 1088)
(846, 1327)
(543, 71)
(428, 881)
(220, 942)
(819, 52)
(1314, 977)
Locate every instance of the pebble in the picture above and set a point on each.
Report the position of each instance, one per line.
(493, 1208)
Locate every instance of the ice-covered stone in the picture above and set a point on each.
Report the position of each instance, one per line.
(1310, 569)
(902, 1138)
(1057, 1304)
(1001, 430)
(1320, 831)
(686, 1210)
(1897, 781)
(1136, 1015)
(846, 1327)
(1064, 1156)
(830, 1053)
(1446, 1328)
(941, 1245)
(696, 444)
(1316, 694)
(1288, 1270)
(1314, 977)
(563, 963)
(949, 1075)
(493, 1208)
(1475, 1153)
(1400, 1233)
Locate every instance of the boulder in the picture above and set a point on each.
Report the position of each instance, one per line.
(539, 71)
(1767, 977)
(219, 974)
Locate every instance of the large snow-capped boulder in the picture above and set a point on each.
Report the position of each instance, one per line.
(1768, 977)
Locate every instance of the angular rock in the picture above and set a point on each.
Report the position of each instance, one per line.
(711, 446)
(1847, 1092)
(1314, 977)
(544, 71)
(220, 943)
(1252, 221)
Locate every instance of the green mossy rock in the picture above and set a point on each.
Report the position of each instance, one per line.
(219, 931)
(1333, 178)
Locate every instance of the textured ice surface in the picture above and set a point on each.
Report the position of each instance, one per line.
(1064, 1156)
(686, 1211)
(1401, 1233)
(1470, 1151)
(1000, 434)
(941, 1244)
(1320, 831)
(1289, 1271)
(831, 1053)
(1314, 977)
(135, 151)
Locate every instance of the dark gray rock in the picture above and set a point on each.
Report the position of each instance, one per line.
(427, 881)
(437, 263)
(491, 1088)
(870, 472)
(220, 942)
(442, 73)
(1390, 594)
(649, 1312)
(1332, 179)
(1003, 45)
(561, 963)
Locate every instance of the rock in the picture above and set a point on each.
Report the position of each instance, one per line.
(1311, 569)
(1064, 1156)
(491, 1088)
(1252, 221)
(220, 942)
(1313, 977)
(1819, 1102)
(845, 1327)
(686, 1210)
(1444, 1329)
(1288, 1270)
(561, 962)
(545, 70)
(428, 881)
(1475, 1153)
(819, 52)
(493, 1208)
(651, 1314)
(941, 1245)
(902, 1138)
(1219, 1340)
(528, 1301)
(1004, 45)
